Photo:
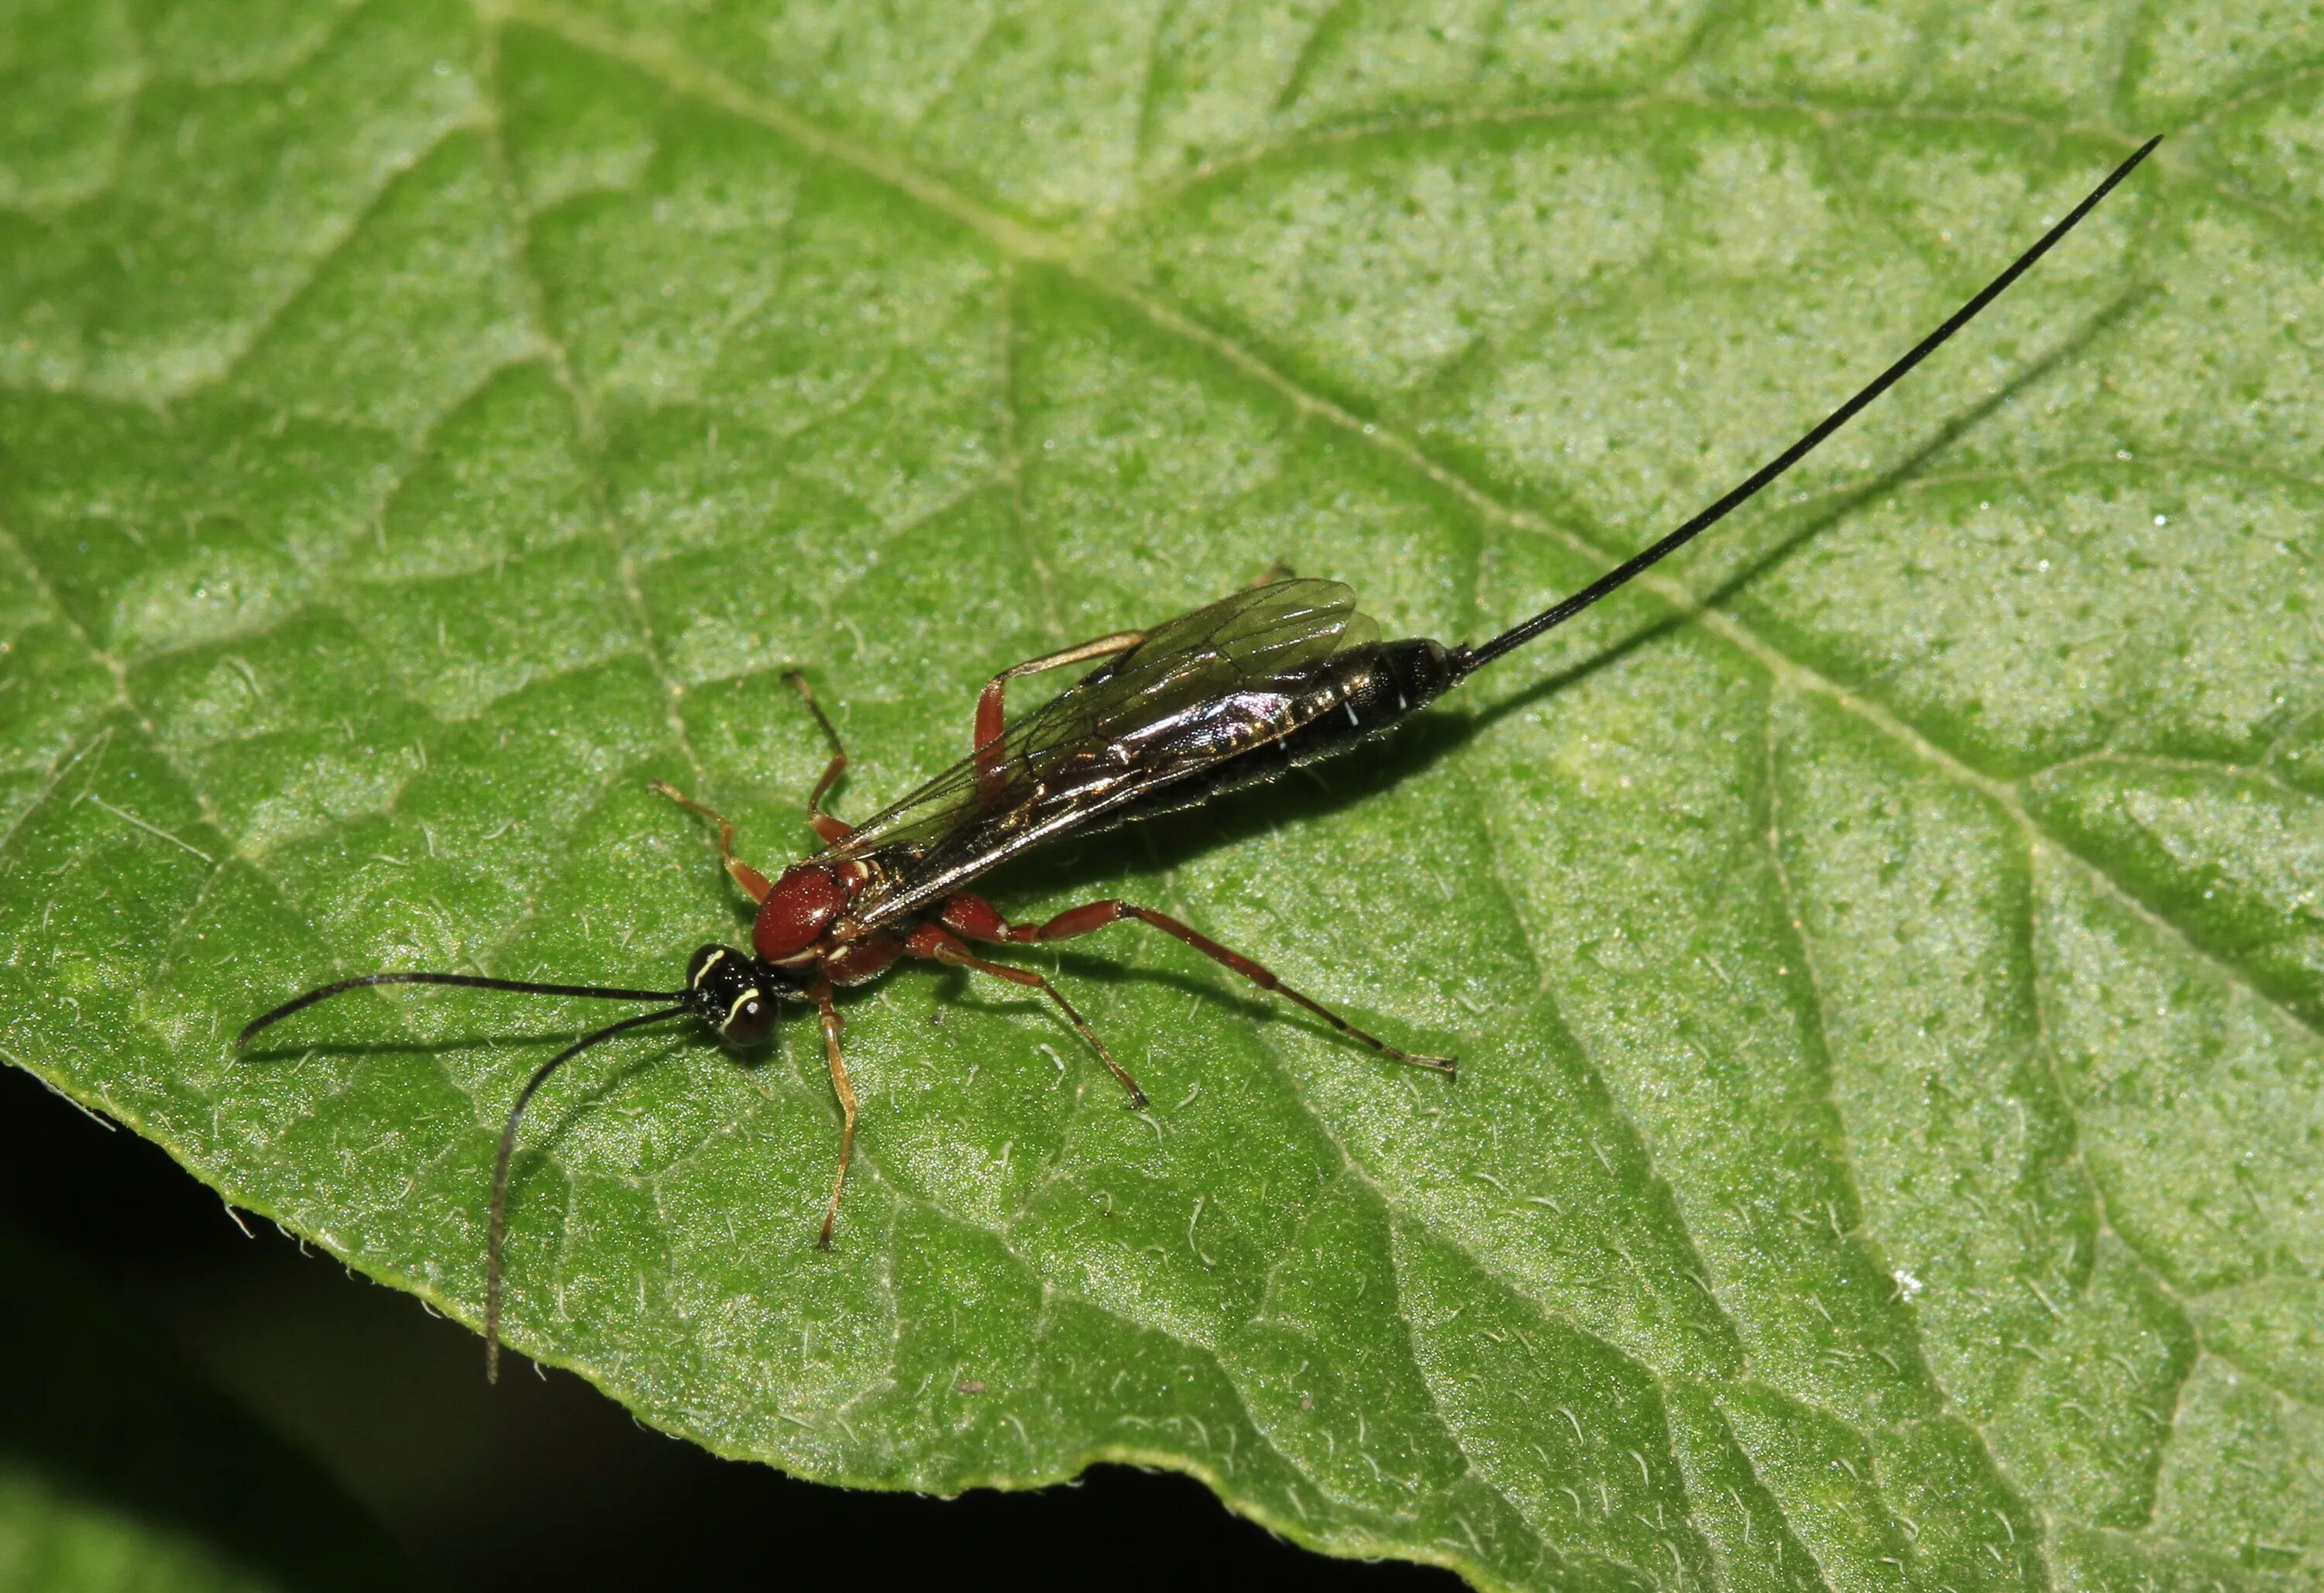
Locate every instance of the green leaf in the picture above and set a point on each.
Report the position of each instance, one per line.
(1885, 949)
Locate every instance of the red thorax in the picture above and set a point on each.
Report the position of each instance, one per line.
(797, 910)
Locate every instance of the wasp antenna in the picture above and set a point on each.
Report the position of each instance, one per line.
(252, 1029)
(497, 1224)
(1468, 659)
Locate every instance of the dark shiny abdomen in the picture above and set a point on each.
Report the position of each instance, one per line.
(1351, 696)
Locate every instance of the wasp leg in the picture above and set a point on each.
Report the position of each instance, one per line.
(753, 883)
(831, 830)
(974, 916)
(990, 719)
(931, 942)
(821, 995)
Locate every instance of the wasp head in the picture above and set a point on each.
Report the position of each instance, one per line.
(735, 993)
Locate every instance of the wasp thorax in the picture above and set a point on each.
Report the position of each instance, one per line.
(731, 995)
(806, 899)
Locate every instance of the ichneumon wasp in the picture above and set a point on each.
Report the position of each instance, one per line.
(1230, 695)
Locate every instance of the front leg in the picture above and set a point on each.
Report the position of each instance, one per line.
(753, 883)
(827, 829)
(821, 996)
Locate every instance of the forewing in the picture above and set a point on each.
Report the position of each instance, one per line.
(1208, 685)
(1262, 634)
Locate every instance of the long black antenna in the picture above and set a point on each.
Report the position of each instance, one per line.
(1467, 660)
(251, 1030)
(498, 1226)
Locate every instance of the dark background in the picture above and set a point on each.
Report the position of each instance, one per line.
(542, 1480)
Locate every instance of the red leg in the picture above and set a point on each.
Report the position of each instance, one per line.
(1096, 915)
(753, 883)
(990, 719)
(974, 918)
(832, 830)
(932, 941)
(821, 995)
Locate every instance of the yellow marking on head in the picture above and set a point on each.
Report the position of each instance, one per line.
(750, 995)
(718, 955)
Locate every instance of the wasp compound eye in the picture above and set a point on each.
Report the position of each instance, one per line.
(750, 1020)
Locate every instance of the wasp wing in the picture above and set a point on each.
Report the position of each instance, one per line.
(1200, 688)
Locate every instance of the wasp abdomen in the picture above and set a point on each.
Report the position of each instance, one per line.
(1349, 697)
(1366, 690)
